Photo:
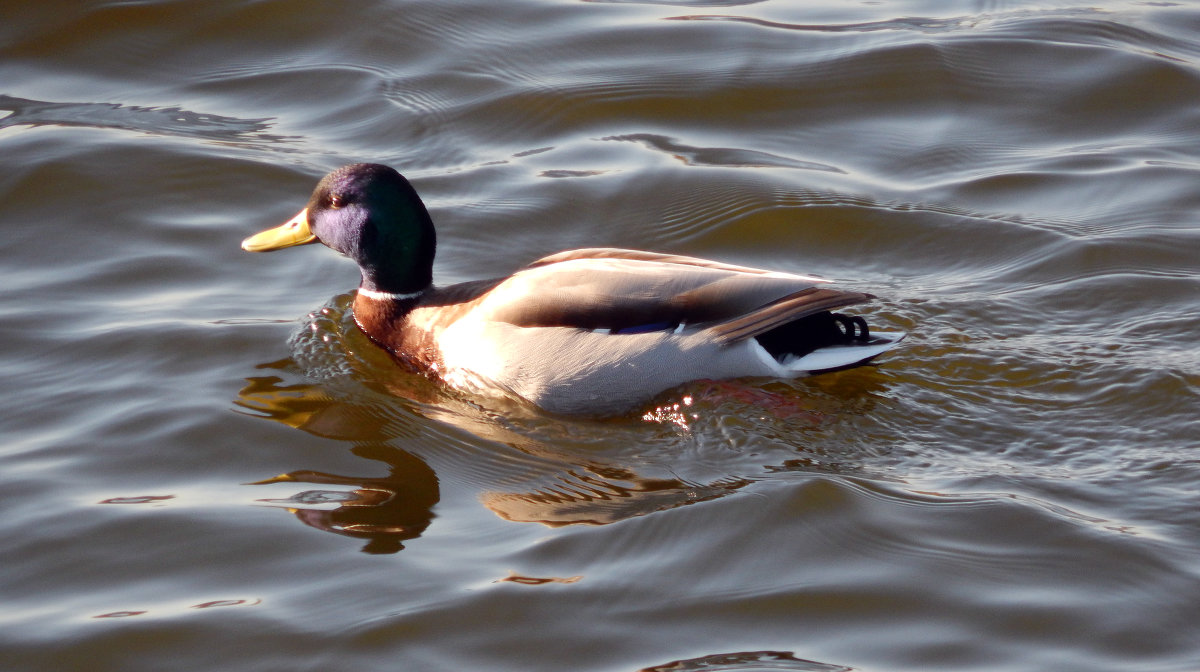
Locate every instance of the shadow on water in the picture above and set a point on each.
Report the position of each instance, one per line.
(526, 465)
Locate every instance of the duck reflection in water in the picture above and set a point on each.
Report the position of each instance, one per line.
(543, 482)
(386, 511)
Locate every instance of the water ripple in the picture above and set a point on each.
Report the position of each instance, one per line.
(173, 121)
(719, 156)
(746, 660)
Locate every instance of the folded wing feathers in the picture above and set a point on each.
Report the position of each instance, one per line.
(787, 309)
(708, 298)
(658, 257)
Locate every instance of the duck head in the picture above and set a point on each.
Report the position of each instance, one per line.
(371, 214)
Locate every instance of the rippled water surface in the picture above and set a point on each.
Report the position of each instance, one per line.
(205, 466)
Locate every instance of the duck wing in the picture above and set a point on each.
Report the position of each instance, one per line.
(672, 259)
(631, 291)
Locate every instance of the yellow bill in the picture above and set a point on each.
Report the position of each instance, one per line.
(295, 231)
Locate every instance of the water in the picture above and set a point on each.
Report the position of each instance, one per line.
(206, 467)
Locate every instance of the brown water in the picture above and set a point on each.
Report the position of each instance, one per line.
(1016, 487)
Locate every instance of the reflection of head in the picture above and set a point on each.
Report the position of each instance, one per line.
(380, 541)
(385, 511)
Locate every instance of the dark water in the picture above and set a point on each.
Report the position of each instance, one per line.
(205, 466)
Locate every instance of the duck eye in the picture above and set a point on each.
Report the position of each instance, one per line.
(336, 201)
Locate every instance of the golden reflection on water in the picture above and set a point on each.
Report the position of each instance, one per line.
(570, 488)
(203, 605)
(596, 494)
(385, 511)
(513, 577)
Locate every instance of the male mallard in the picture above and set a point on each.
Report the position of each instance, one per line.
(594, 330)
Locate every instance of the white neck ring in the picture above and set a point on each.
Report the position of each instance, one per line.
(387, 296)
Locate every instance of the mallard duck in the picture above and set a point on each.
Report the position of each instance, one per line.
(595, 330)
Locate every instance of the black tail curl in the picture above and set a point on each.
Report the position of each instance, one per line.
(798, 338)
